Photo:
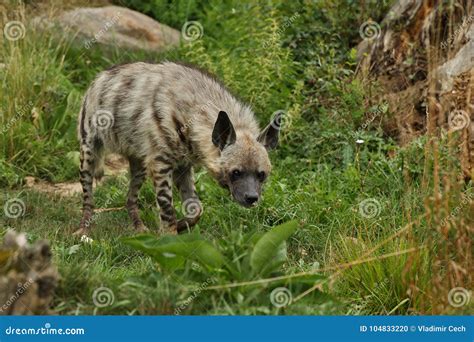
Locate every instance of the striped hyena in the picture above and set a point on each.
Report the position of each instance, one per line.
(166, 118)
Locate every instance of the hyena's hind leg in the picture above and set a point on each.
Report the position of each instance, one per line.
(92, 160)
(137, 177)
(161, 171)
(191, 207)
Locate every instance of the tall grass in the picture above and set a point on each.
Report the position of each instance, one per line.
(38, 105)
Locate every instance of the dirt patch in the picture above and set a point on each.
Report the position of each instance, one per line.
(114, 165)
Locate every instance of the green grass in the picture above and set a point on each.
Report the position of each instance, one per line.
(327, 201)
(321, 175)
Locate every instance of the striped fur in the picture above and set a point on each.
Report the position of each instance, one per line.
(162, 117)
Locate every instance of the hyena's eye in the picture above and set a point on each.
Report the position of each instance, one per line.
(261, 176)
(235, 174)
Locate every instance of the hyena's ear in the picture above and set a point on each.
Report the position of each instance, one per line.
(223, 133)
(269, 136)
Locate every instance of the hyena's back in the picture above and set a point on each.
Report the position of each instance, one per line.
(139, 109)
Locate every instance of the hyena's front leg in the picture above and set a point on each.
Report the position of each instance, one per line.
(192, 208)
(162, 172)
(137, 176)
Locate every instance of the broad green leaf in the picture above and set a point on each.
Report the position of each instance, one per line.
(200, 251)
(278, 260)
(175, 250)
(269, 245)
(148, 244)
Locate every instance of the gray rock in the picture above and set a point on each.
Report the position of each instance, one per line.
(113, 26)
(462, 62)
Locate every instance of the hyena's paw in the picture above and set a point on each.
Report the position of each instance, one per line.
(168, 229)
(84, 226)
(186, 224)
(81, 231)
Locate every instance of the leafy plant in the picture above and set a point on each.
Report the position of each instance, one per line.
(251, 257)
(172, 252)
(259, 254)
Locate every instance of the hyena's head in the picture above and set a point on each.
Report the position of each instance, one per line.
(244, 162)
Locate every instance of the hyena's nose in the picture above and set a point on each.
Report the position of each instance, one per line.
(251, 198)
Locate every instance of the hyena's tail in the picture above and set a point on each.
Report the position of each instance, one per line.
(92, 146)
(99, 157)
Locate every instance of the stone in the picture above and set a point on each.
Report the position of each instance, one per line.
(113, 27)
